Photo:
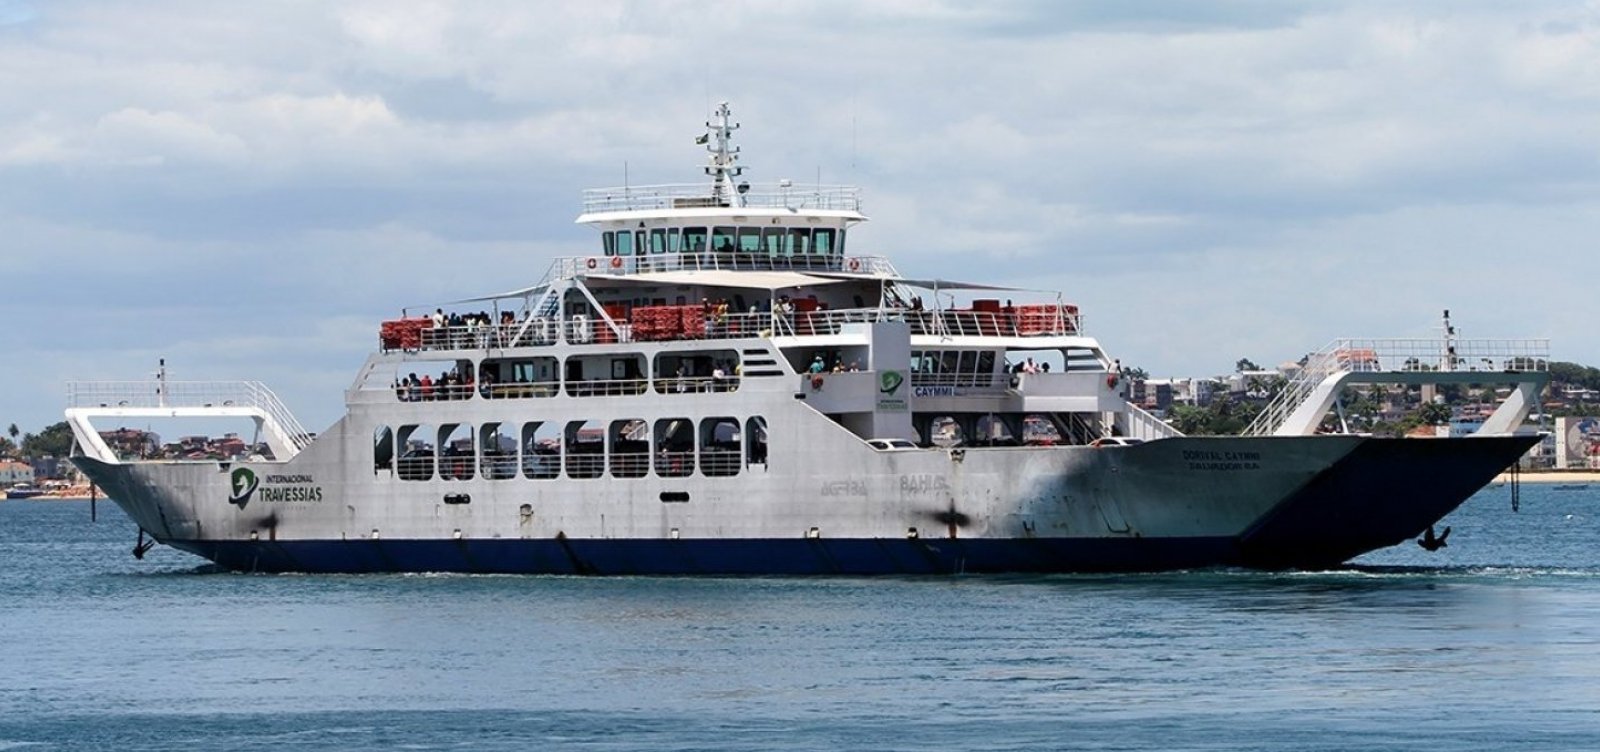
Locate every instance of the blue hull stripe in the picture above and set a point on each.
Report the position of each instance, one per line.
(738, 557)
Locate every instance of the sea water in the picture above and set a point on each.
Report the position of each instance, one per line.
(1492, 643)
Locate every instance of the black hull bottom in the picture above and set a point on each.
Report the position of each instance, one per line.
(720, 557)
(1385, 492)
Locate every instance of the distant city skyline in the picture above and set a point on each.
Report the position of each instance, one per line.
(248, 190)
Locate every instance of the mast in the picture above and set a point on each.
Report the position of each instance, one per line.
(724, 158)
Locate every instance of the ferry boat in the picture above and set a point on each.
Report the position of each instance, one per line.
(726, 384)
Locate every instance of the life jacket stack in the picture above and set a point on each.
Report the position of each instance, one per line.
(403, 334)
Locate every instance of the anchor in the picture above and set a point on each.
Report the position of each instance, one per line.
(1429, 542)
(143, 546)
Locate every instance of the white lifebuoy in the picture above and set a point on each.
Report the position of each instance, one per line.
(855, 265)
(593, 262)
(616, 262)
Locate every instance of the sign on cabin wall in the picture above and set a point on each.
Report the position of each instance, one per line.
(892, 392)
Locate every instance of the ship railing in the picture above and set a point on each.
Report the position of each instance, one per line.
(966, 381)
(1494, 358)
(675, 464)
(568, 267)
(193, 399)
(583, 330)
(701, 196)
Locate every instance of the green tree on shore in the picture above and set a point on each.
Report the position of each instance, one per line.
(54, 441)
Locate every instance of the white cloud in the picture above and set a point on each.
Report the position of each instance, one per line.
(1210, 180)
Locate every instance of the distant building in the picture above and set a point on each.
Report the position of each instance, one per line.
(13, 472)
(49, 467)
(131, 443)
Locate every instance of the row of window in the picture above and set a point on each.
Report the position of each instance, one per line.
(587, 376)
(768, 241)
(629, 448)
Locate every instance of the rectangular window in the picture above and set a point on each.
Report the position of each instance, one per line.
(674, 240)
(799, 241)
(658, 241)
(822, 243)
(694, 239)
(609, 242)
(624, 245)
(722, 239)
(749, 239)
(774, 241)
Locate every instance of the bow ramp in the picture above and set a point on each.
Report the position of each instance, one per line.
(1300, 408)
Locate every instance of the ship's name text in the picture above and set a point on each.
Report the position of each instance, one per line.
(1199, 459)
(289, 488)
(844, 488)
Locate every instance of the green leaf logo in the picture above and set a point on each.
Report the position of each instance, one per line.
(890, 381)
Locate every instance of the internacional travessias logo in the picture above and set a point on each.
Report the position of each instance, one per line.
(244, 484)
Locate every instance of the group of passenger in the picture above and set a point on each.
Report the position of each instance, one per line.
(722, 377)
(1028, 366)
(456, 330)
(819, 365)
(450, 385)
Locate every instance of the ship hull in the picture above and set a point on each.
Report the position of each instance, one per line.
(1182, 503)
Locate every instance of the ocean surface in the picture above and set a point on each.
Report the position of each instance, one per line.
(1490, 644)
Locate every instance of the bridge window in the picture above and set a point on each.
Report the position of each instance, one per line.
(774, 241)
(541, 450)
(658, 240)
(822, 243)
(722, 239)
(694, 239)
(749, 239)
(674, 447)
(799, 241)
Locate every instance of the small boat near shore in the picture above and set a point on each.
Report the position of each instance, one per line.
(24, 491)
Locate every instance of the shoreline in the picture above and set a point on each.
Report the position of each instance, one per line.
(1552, 476)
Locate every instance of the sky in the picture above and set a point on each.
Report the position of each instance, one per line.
(248, 189)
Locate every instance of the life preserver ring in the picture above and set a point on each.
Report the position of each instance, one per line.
(616, 262)
(1111, 380)
(593, 262)
(855, 265)
(816, 381)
